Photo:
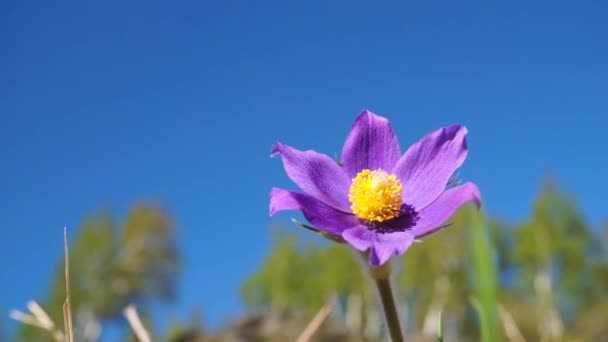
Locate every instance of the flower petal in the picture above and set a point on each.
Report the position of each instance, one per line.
(317, 174)
(426, 166)
(381, 245)
(316, 212)
(371, 144)
(432, 217)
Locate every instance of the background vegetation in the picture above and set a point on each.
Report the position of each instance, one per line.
(542, 279)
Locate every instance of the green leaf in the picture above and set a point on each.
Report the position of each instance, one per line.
(486, 279)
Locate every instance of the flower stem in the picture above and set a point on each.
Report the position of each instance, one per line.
(390, 309)
(381, 276)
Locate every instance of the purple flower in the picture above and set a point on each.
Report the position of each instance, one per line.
(377, 199)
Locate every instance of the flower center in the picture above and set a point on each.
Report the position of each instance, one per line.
(376, 195)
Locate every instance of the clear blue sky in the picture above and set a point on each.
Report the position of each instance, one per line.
(105, 102)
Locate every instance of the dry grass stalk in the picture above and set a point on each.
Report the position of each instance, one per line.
(136, 325)
(316, 322)
(67, 309)
(508, 323)
(38, 318)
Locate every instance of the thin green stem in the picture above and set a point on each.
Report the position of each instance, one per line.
(390, 308)
(382, 277)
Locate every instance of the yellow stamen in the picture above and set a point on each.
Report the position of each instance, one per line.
(376, 195)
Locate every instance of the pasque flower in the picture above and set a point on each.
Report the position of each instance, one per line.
(376, 199)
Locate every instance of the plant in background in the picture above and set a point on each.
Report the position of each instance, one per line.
(376, 199)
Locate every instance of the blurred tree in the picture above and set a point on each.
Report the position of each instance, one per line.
(591, 321)
(302, 275)
(111, 266)
(305, 276)
(191, 330)
(550, 251)
(434, 279)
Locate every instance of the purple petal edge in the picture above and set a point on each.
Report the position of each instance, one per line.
(431, 218)
(316, 174)
(381, 245)
(316, 212)
(425, 168)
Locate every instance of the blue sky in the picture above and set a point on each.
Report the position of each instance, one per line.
(106, 102)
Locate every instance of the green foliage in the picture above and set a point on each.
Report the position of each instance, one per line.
(303, 276)
(553, 253)
(555, 237)
(434, 276)
(545, 278)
